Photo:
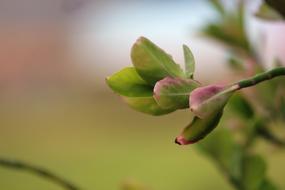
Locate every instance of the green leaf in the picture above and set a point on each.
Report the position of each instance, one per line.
(146, 105)
(267, 13)
(235, 63)
(135, 92)
(128, 83)
(217, 4)
(230, 29)
(267, 185)
(282, 108)
(278, 5)
(174, 92)
(198, 129)
(189, 62)
(152, 63)
(240, 105)
(208, 100)
(228, 33)
(254, 168)
(218, 144)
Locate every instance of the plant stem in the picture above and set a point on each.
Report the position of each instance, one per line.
(18, 165)
(279, 71)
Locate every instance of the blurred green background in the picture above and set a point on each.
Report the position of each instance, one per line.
(100, 143)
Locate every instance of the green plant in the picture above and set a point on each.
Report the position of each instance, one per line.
(156, 85)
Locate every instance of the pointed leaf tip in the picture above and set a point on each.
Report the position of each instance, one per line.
(128, 83)
(189, 61)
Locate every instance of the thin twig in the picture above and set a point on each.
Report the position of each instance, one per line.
(19, 165)
(279, 71)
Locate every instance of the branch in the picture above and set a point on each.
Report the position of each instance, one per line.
(279, 71)
(18, 165)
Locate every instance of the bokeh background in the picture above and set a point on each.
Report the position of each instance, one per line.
(57, 112)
